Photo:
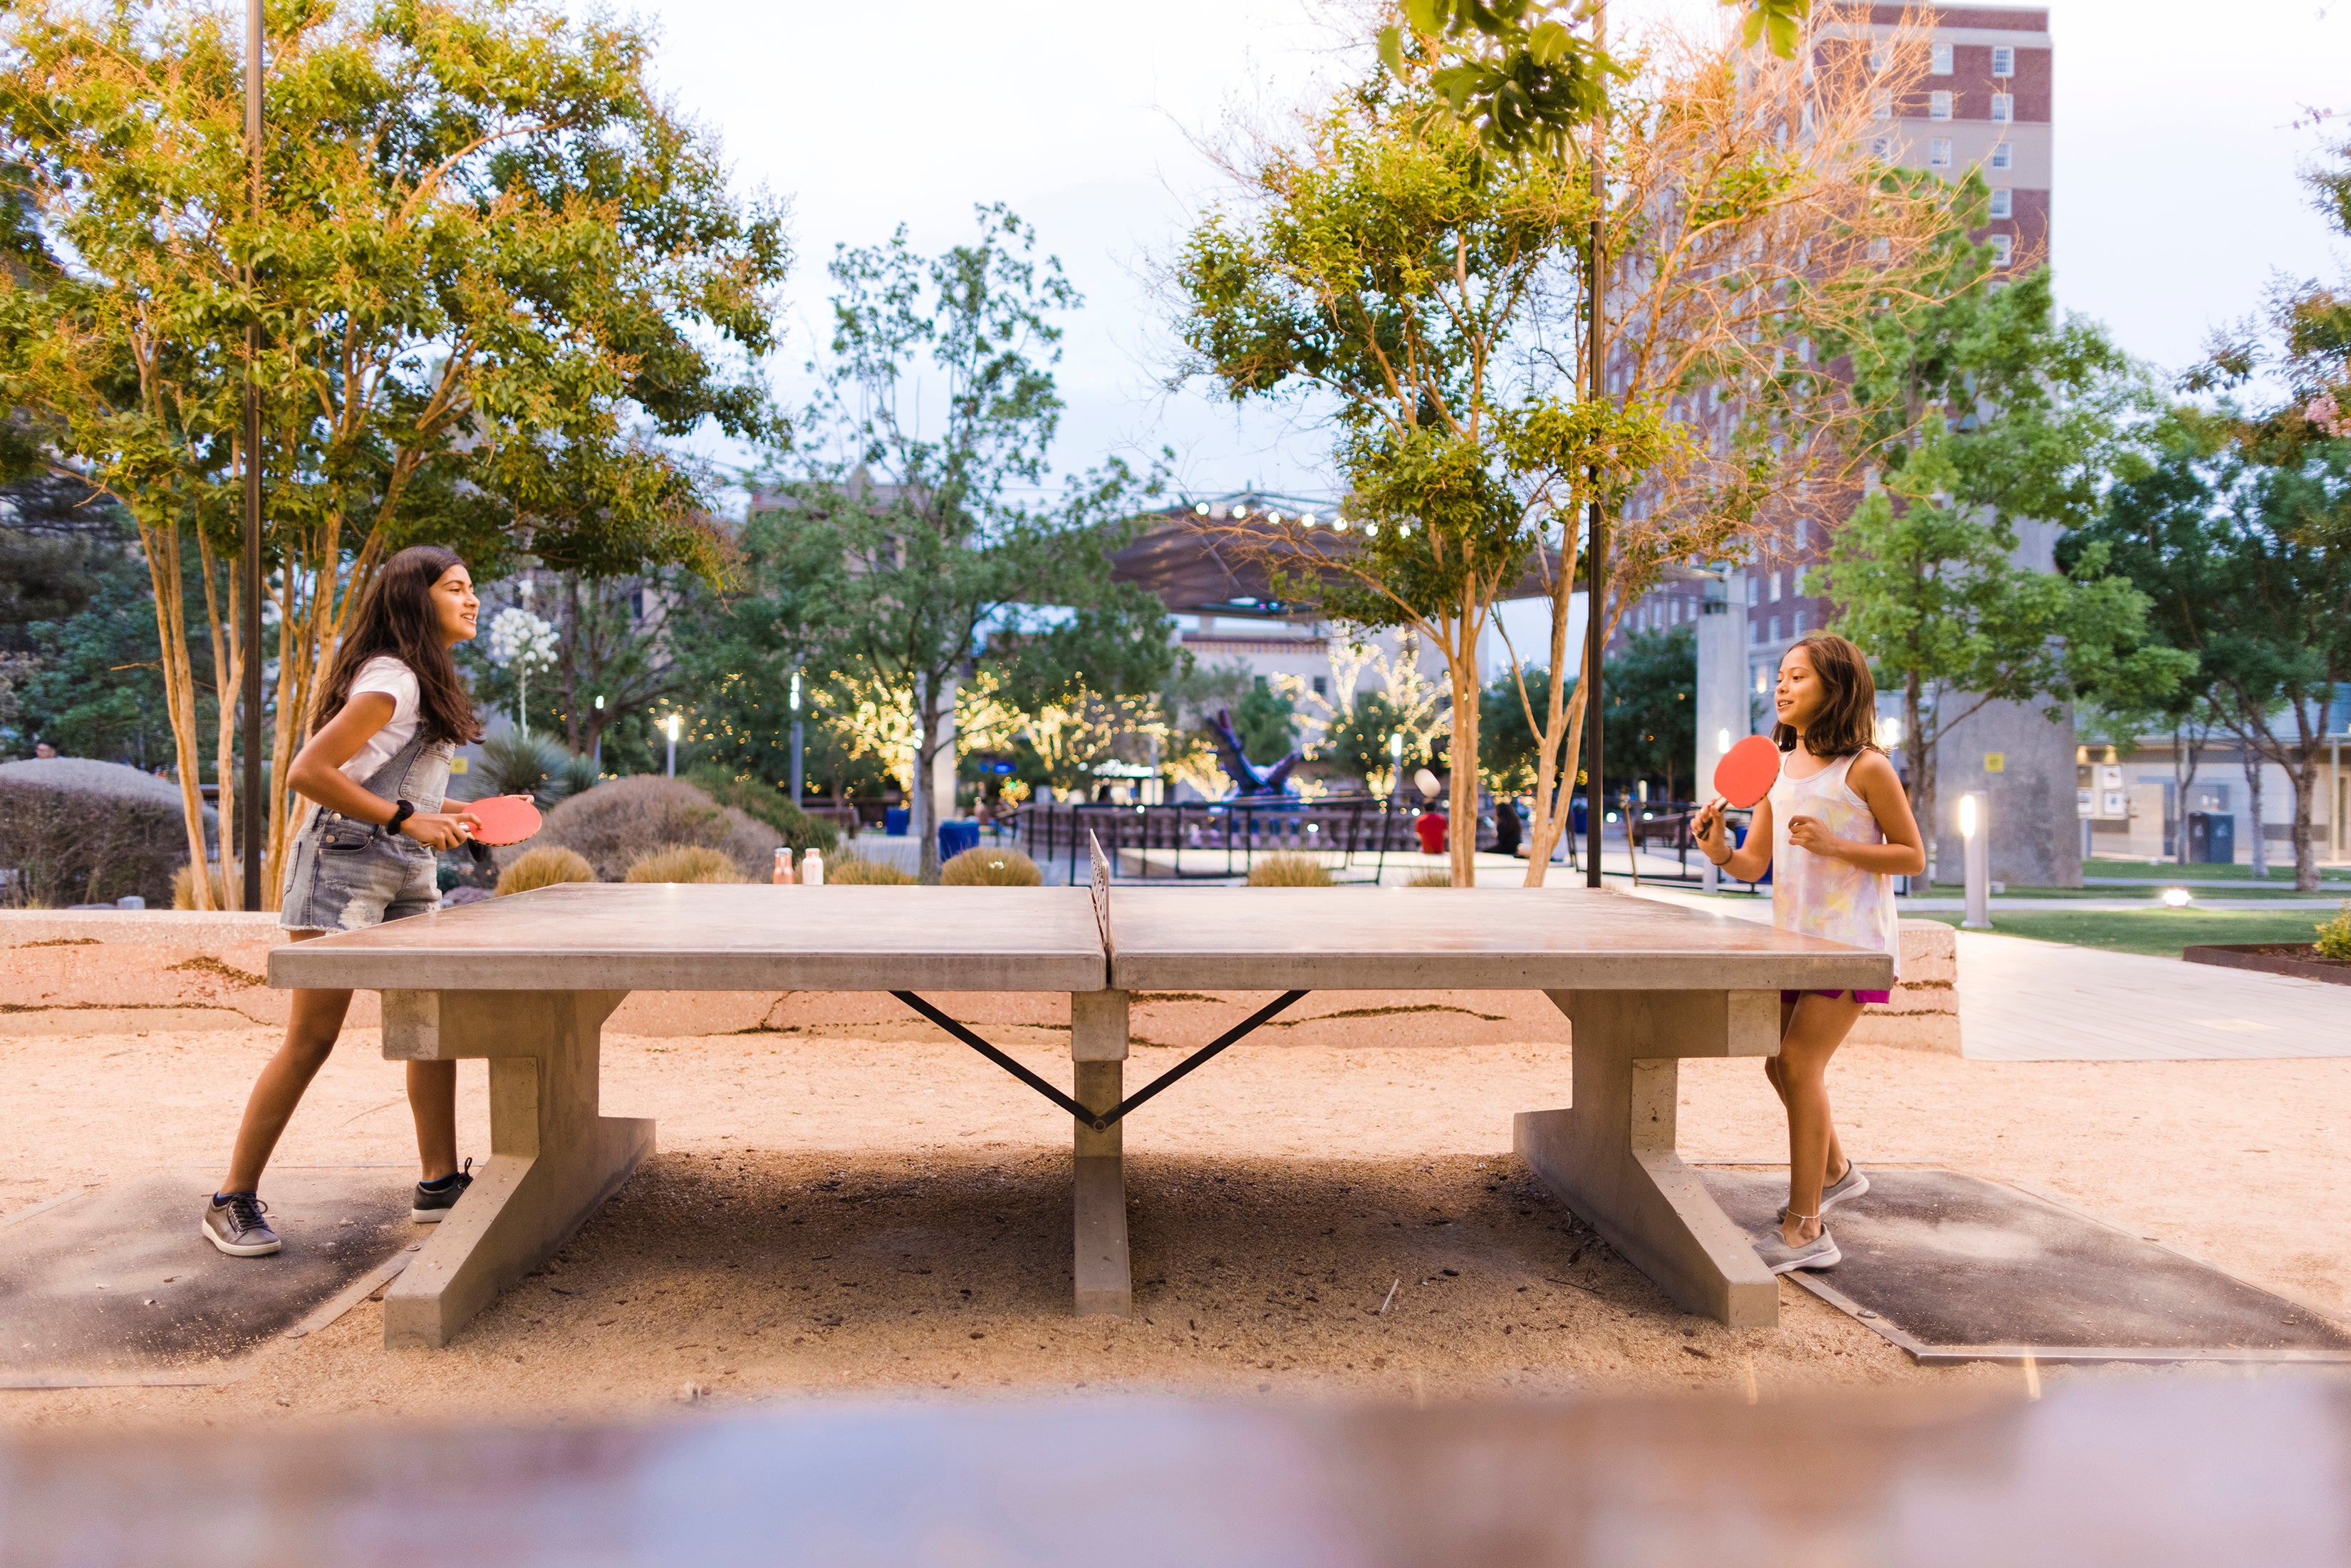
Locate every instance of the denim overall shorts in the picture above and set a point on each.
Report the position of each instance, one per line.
(348, 874)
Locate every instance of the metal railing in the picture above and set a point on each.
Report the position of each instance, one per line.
(1352, 835)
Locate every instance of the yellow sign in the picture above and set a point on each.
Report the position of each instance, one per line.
(457, 765)
(1995, 761)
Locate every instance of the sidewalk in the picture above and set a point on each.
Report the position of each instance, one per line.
(2021, 1000)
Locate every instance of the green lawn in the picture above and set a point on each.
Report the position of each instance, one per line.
(2159, 931)
(2282, 874)
(2275, 888)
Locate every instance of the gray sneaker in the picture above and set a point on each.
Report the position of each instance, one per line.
(433, 1204)
(234, 1223)
(1820, 1252)
(1852, 1184)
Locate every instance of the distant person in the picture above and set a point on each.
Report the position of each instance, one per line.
(1508, 829)
(1430, 826)
(44, 751)
(1833, 837)
(391, 713)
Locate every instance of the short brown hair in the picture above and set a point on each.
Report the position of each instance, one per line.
(1848, 724)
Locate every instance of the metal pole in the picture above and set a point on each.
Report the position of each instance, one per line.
(796, 742)
(249, 803)
(1596, 596)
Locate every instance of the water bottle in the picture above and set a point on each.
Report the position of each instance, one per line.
(811, 870)
(783, 877)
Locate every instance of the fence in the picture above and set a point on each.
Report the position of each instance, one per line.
(1199, 840)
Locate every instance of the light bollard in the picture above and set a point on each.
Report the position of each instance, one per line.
(1975, 831)
(1710, 874)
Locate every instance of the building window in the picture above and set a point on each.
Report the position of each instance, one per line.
(1881, 105)
(1938, 106)
(1881, 55)
(1260, 683)
(1805, 117)
(2002, 157)
(1940, 64)
(2003, 204)
(1775, 588)
(1762, 679)
(2003, 62)
(1803, 534)
(1754, 634)
(1773, 635)
(1321, 685)
(2003, 108)
(1938, 153)
(2003, 247)
(1796, 624)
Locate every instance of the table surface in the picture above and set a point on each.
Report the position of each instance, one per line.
(667, 936)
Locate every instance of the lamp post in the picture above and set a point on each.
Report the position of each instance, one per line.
(670, 725)
(796, 738)
(249, 812)
(599, 749)
(1975, 829)
(1395, 760)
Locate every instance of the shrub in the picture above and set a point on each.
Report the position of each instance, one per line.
(77, 832)
(544, 867)
(981, 866)
(765, 803)
(576, 776)
(621, 821)
(2335, 936)
(686, 863)
(183, 886)
(854, 871)
(1430, 879)
(518, 764)
(1287, 869)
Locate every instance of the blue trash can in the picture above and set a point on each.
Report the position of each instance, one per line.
(956, 837)
(894, 820)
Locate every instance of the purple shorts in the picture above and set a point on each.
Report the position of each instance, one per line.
(1789, 998)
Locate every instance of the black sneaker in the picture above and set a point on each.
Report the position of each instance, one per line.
(433, 1204)
(234, 1223)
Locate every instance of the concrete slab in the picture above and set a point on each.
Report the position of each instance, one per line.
(115, 1286)
(1954, 1267)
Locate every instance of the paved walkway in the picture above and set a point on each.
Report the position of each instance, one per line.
(2021, 1000)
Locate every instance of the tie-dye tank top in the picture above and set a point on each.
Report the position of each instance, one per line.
(1824, 897)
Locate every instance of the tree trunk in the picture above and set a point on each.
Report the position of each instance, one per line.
(1559, 739)
(1461, 805)
(161, 545)
(2304, 775)
(2182, 783)
(2251, 759)
(922, 814)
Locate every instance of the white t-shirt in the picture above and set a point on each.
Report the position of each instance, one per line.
(397, 681)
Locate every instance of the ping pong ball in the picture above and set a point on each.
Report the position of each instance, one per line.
(2177, 897)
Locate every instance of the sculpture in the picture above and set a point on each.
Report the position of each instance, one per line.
(1249, 778)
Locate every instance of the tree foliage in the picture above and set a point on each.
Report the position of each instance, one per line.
(493, 269)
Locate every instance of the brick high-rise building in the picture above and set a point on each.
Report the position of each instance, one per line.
(1983, 103)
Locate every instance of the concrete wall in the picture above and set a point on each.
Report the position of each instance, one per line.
(2036, 831)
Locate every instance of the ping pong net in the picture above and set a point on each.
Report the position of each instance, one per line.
(1101, 1121)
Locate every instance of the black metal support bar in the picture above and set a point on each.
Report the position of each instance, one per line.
(1102, 1122)
(1082, 1113)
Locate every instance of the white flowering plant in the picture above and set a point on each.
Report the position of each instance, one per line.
(523, 643)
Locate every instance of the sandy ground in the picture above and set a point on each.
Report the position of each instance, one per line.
(846, 1203)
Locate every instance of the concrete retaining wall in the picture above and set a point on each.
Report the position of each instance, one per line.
(1925, 1012)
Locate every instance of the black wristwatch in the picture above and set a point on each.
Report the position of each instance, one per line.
(400, 813)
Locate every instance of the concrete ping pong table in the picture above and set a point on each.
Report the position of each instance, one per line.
(527, 981)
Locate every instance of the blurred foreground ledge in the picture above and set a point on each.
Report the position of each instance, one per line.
(2135, 1470)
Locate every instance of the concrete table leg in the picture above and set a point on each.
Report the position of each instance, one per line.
(1098, 1053)
(554, 1157)
(1611, 1157)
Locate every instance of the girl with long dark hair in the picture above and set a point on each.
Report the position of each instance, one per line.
(392, 714)
(1835, 831)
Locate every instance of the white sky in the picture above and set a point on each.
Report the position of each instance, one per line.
(2174, 199)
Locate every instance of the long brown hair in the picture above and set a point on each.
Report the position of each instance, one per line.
(1848, 721)
(396, 620)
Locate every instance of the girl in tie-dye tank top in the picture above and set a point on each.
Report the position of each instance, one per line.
(1833, 832)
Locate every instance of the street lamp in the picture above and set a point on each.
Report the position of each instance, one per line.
(670, 723)
(796, 738)
(1396, 760)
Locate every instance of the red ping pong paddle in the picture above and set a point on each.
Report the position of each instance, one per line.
(1746, 772)
(504, 819)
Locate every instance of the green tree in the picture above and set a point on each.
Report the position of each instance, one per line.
(1267, 722)
(494, 271)
(909, 546)
(1651, 690)
(96, 690)
(1930, 589)
(2231, 551)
